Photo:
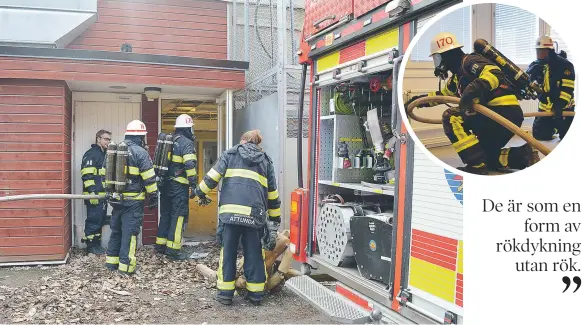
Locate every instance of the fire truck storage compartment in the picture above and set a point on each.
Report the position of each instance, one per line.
(353, 226)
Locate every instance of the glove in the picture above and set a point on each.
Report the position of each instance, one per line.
(415, 98)
(94, 201)
(270, 235)
(153, 201)
(204, 201)
(466, 107)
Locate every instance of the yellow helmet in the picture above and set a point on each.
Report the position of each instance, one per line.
(443, 42)
(544, 42)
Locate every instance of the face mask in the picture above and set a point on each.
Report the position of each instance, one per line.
(440, 70)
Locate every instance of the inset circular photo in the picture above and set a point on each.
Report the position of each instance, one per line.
(488, 88)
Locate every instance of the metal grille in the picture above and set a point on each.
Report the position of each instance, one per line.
(337, 307)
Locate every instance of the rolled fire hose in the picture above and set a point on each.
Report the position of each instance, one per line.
(485, 111)
(51, 197)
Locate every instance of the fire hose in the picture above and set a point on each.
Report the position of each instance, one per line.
(485, 111)
(51, 197)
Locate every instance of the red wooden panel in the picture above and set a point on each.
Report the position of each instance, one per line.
(31, 250)
(204, 23)
(31, 100)
(149, 111)
(35, 137)
(199, 55)
(33, 258)
(31, 222)
(149, 30)
(207, 38)
(352, 52)
(29, 165)
(94, 67)
(30, 90)
(151, 44)
(150, 224)
(28, 204)
(30, 241)
(178, 3)
(31, 213)
(192, 9)
(316, 10)
(32, 82)
(31, 128)
(362, 7)
(125, 16)
(149, 233)
(31, 175)
(31, 109)
(29, 156)
(37, 184)
(36, 147)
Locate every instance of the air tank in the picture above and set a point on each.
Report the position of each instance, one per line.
(166, 154)
(110, 167)
(158, 152)
(121, 163)
(514, 74)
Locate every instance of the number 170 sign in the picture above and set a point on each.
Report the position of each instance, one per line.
(444, 41)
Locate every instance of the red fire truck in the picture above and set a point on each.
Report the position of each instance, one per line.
(376, 214)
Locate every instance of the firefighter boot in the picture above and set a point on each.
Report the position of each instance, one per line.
(478, 170)
(252, 300)
(176, 254)
(94, 246)
(522, 157)
(160, 249)
(531, 154)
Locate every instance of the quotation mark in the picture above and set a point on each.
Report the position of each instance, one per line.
(567, 282)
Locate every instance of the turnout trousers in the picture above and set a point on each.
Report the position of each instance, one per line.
(173, 215)
(478, 140)
(254, 265)
(126, 222)
(545, 127)
(96, 216)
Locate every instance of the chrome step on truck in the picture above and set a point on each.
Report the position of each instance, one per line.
(337, 307)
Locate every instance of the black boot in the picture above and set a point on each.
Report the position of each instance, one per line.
(253, 301)
(94, 246)
(223, 300)
(176, 254)
(160, 249)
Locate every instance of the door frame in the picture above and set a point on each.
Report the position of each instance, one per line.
(102, 97)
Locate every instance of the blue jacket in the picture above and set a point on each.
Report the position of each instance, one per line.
(92, 171)
(556, 76)
(249, 190)
(182, 168)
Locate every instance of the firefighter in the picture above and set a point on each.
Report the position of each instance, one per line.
(478, 140)
(555, 75)
(174, 191)
(92, 173)
(126, 219)
(249, 210)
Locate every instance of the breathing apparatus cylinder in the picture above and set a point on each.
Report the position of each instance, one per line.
(166, 153)
(121, 165)
(515, 75)
(158, 152)
(110, 167)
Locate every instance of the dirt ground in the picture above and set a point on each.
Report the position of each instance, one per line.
(84, 291)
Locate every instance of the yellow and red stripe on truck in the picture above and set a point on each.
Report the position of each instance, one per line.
(436, 266)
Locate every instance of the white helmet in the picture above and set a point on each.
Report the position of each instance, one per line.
(184, 121)
(443, 42)
(136, 127)
(544, 42)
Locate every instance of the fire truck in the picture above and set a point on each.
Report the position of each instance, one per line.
(376, 215)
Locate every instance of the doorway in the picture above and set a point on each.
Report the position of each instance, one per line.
(202, 221)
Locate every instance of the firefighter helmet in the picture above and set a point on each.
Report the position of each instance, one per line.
(443, 42)
(184, 121)
(544, 42)
(136, 127)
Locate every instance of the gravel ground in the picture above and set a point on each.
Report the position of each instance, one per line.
(84, 291)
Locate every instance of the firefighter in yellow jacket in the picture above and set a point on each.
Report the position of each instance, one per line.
(250, 209)
(478, 140)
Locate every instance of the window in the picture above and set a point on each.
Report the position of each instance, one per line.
(562, 46)
(516, 31)
(457, 22)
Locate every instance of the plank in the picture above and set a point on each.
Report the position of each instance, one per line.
(36, 147)
(31, 250)
(31, 241)
(31, 175)
(31, 100)
(31, 222)
(31, 213)
(31, 258)
(26, 185)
